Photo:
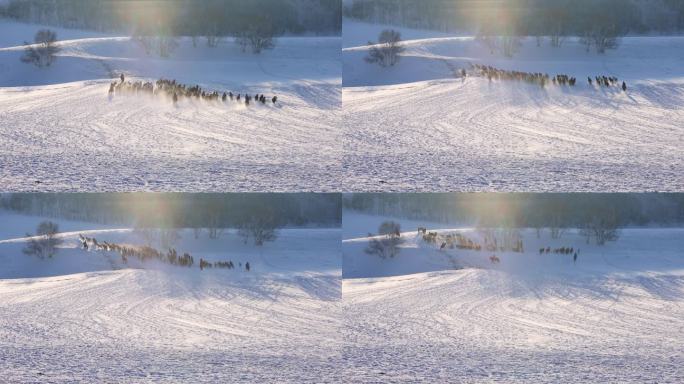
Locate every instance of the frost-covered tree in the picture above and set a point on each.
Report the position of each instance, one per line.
(45, 242)
(386, 52)
(42, 53)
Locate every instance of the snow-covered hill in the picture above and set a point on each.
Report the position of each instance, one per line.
(60, 131)
(83, 316)
(417, 127)
(617, 315)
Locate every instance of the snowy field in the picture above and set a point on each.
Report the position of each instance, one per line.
(616, 316)
(84, 317)
(416, 127)
(59, 130)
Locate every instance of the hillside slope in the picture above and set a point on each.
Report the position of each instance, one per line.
(429, 315)
(61, 131)
(418, 126)
(84, 315)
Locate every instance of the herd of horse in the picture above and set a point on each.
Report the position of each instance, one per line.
(561, 251)
(222, 264)
(541, 79)
(459, 241)
(492, 73)
(145, 253)
(176, 91)
(607, 81)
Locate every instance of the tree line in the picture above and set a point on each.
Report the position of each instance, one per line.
(556, 19)
(203, 211)
(556, 211)
(210, 19)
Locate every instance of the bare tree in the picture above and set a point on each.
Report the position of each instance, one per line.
(197, 231)
(45, 242)
(387, 244)
(386, 51)
(557, 34)
(260, 35)
(146, 42)
(507, 43)
(606, 38)
(557, 225)
(487, 32)
(261, 226)
(586, 40)
(168, 237)
(213, 36)
(42, 53)
(159, 40)
(214, 226)
(510, 45)
(604, 25)
(601, 227)
(242, 40)
(601, 38)
(167, 44)
(142, 34)
(149, 235)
